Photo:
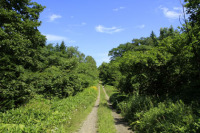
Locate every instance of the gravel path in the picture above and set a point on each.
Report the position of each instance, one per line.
(90, 124)
(120, 125)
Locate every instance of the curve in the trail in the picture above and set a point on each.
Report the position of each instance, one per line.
(120, 125)
(90, 124)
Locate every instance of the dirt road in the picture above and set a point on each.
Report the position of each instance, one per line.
(90, 124)
(120, 125)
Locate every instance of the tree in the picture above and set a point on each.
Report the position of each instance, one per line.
(88, 72)
(118, 52)
(19, 41)
(154, 38)
(62, 46)
(103, 72)
(57, 47)
(193, 9)
(91, 61)
(193, 31)
(71, 51)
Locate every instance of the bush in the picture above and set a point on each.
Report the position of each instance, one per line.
(167, 117)
(145, 115)
(117, 98)
(15, 91)
(136, 104)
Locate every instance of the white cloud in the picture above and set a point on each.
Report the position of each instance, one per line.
(178, 8)
(53, 38)
(77, 25)
(71, 41)
(141, 26)
(117, 9)
(53, 17)
(83, 23)
(171, 14)
(111, 30)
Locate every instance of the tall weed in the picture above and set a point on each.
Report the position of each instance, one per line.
(167, 117)
(43, 115)
(146, 115)
(136, 104)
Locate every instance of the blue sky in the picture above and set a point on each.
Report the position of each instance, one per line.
(97, 26)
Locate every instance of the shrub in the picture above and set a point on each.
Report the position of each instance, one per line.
(136, 104)
(146, 115)
(166, 117)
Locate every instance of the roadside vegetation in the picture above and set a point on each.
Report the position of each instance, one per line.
(158, 78)
(43, 87)
(110, 90)
(43, 115)
(31, 67)
(105, 119)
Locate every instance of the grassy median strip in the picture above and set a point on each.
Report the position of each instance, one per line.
(105, 118)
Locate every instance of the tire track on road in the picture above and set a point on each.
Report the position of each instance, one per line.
(120, 125)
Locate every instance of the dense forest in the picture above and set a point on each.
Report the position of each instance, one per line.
(158, 77)
(29, 66)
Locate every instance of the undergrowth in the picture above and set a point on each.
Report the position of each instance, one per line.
(42, 115)
(147, 114)
(110, 90)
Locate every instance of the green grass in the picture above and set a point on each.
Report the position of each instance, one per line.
(105, 118)
(110, 90)
(40, 115)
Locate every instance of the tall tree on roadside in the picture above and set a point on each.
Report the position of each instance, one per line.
(19, 41)
(193, 35)
(193, 9)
